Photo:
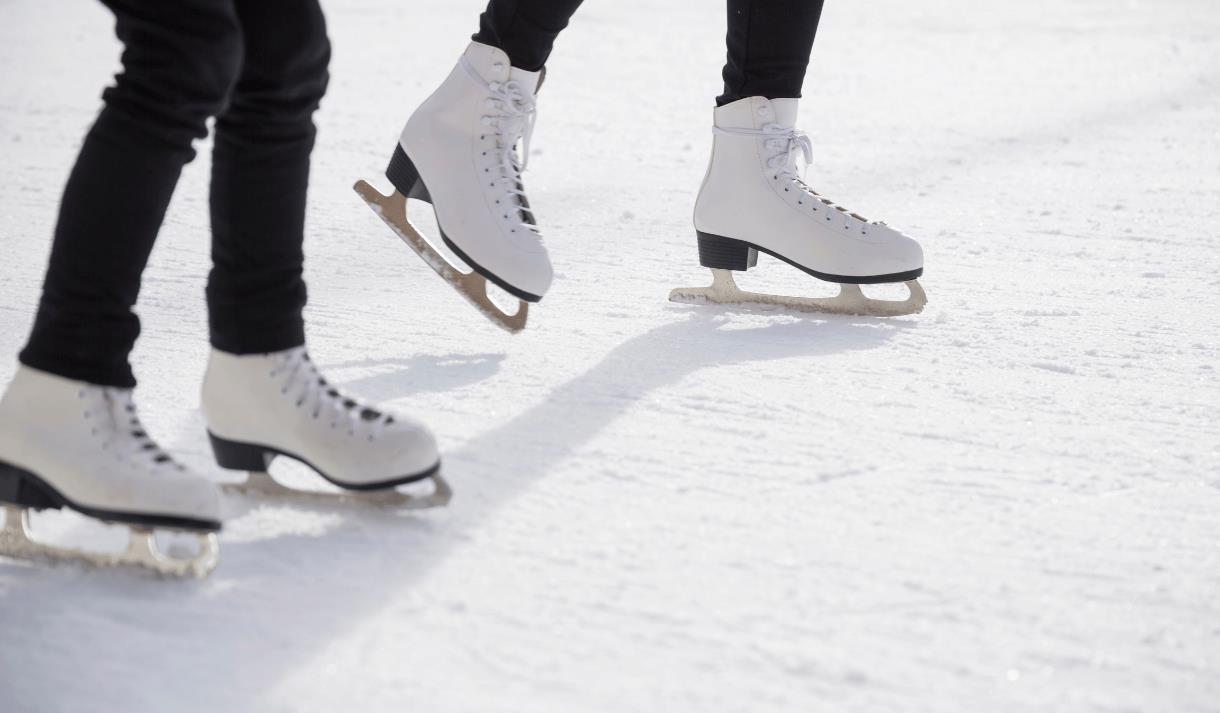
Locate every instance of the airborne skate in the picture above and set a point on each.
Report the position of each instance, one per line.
(752, 200)
(262, 406)
(458, 152)
(66, 443)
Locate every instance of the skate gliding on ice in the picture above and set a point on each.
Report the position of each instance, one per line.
(458, 152)
(262, 406)
(70, 444)
(753, 199)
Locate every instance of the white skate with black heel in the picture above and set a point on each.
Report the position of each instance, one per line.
(753, 199)
(458, 152)
(70, 444)
(262, 406)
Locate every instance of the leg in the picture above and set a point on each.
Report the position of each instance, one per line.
(263, 397)
(769, 42)
(525, 29)
(69, 433)
(260, 173)
(179, 63)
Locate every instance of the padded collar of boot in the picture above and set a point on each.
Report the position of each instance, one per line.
(493, 65)
(756, 112)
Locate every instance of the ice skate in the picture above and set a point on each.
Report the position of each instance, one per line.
(753, 199)
(458, 152)
(70, 444)
(262, 406)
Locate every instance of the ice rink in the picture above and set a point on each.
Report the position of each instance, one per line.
(1010, 502)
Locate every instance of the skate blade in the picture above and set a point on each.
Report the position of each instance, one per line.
(141, 552)
(472, 285)
(258, 484)
(850, 300)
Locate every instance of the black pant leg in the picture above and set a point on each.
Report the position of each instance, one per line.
(769, 42)
(260, 172)
(179, 61)
(525, 29)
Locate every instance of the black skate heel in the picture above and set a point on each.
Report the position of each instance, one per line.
(722, 253)
(232, 455)
(21, 487)
(405, 177)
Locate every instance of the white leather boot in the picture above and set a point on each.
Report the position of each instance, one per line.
(66, 443)
(754, 199)
(261, 406)
(458, 152)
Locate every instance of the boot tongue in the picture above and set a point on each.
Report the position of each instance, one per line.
(785, 111)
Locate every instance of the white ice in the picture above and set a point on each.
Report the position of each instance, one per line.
(1010, 502)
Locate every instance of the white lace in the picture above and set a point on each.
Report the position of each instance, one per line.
(112, 415)
(300, 380)
(788, 143)
(512, 111)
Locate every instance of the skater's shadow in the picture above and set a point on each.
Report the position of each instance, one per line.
(295, 580)
(509, 457)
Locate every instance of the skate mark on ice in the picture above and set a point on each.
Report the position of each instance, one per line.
(420, 374)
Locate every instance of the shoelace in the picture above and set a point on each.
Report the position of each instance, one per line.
(788, 143)
(514, 121)
(301, 380)
(121, 429)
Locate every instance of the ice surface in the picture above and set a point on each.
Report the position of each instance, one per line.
(1010, 502)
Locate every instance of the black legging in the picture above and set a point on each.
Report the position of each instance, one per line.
(259, 66)
(769, 41)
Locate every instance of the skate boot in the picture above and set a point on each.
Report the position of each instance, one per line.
(70, 444)
(753, 199)
(261, 406)
(458, 152)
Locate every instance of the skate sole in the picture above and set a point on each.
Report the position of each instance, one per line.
(256, 458)
(25, 489)
(851, 300)
(721, 253)
(406, 179)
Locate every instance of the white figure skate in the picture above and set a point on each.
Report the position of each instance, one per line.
(753, 199)
(66, 443)
(262, 406)
(458, 153)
